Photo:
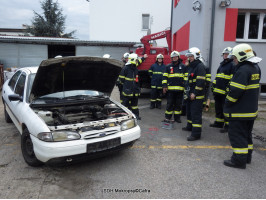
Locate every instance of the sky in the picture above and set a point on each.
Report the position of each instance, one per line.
(14, 13)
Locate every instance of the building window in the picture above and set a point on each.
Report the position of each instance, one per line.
(145, 21)
(264, 27)
(251, 26)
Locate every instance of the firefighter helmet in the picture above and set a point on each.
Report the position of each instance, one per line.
(227, 50)
(106, 56)
(159, 56)
(125, 56)
(242, 52)
(132, 58)
(194, 51)
(174, 54)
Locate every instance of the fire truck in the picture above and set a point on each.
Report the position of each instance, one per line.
(152, 52)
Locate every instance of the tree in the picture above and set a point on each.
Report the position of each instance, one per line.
(51, 23)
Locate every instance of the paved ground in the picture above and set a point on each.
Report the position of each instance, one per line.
(162, 164)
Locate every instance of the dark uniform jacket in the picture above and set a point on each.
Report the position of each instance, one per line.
(196, 79)
(129, 79)
(241, 103)
(156, 74)
(173, 77)
(223, 77)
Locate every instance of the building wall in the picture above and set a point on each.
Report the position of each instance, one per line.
(200, 29)
(115, 52)
(121, 20)
(219, 32)
(22, 55)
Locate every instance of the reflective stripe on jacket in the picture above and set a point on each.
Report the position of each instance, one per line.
(223, 77)
(196, 79)
(241, 103)
(129, 79)
(173, 77)
(156, 74)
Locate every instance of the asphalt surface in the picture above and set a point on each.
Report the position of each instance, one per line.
(161, 164)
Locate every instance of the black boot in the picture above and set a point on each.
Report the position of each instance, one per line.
(152, 106)
(229, 163)
(138, 117)
(177, 119)
(158, 105)
(217, 125)
(186, 129)
(225, 129)
(192, 138)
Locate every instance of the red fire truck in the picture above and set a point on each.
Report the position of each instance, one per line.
(152, 52)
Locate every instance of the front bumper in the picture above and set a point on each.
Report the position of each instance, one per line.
(51, 152)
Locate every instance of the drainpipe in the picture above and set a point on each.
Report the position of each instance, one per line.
(211, 34)
(172, 8)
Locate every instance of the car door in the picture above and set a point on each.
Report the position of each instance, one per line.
(16, 107)
(8, 89)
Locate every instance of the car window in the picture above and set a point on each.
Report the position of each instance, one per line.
(14, 79)
(153, 51)
(19, 89)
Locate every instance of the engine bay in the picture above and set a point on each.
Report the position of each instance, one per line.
(89, 113)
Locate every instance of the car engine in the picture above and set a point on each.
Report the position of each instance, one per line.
(73, 114)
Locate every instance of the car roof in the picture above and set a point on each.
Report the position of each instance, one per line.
(30, 70)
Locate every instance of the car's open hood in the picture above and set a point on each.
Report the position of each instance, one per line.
(75, 73)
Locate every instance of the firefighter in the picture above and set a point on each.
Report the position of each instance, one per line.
(173, 84)
(220, 83)
(206, 101)
(156, 74)
(241, 105)
(118, 82)
(130, 81)
(195, 93)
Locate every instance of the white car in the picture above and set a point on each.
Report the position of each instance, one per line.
(63, 111)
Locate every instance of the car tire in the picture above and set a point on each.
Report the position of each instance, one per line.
(28, 151)
(7, 117)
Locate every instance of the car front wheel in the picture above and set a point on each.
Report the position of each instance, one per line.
(28, 151)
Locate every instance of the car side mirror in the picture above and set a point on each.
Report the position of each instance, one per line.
(15, 97)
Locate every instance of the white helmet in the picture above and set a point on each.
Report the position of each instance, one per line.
(227, 50)
(106, 56)
(174, 54)
(132, 58)
(242, 52)
(194, 51)
(159, 56)
(126, 55)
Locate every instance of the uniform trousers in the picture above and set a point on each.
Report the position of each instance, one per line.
(240, 136)
(174, 104)
(194, 116)
(156, 95)
(131, 102)
(219, 111)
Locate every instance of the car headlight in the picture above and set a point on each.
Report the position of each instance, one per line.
(128, 124)
(58, 136)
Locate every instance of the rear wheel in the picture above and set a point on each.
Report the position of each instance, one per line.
(7, 117)
(28, 151)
